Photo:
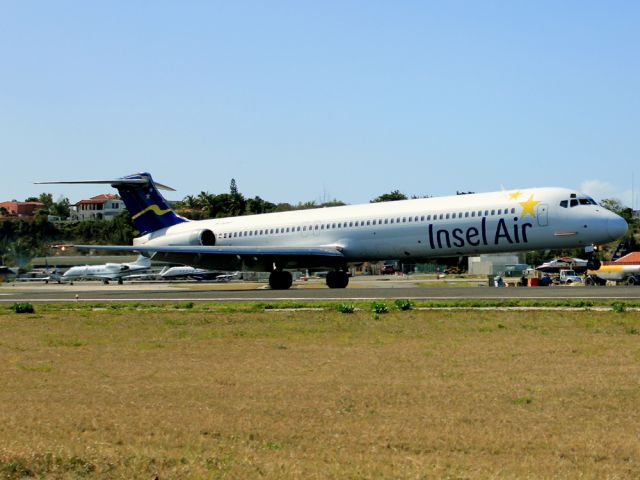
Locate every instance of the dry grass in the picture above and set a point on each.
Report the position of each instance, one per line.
(187, 394)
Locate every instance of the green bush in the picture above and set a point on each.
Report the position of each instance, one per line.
(404, 304)
(618, 307)
(379, 307)
(346, 308)
(22, 308)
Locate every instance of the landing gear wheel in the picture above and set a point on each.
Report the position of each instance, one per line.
(119, 281)
(589, 282)
(279, 280)
(337, 279)
(632, 281)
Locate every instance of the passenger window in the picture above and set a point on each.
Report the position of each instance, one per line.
(368, 222)
(473, 214)
(410, 218)
(500, 211)
(428, 217)
(422, 218)
(466, 214)
(513, 210)
(493, 212)
(386, 221)
(391, 221)
(374, 222)
(447, 216)
(351, 224)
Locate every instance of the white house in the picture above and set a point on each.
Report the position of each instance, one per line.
(104, 206)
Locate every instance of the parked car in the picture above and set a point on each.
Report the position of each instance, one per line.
(387, 270)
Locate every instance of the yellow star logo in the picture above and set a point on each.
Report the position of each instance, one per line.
(527, 207)
(514, 195)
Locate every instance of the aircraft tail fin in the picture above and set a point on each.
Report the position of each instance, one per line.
(148, 209)
(143, 261)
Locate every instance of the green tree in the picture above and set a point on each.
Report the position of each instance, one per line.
(390, 197)
(616, 206)
(61, 208)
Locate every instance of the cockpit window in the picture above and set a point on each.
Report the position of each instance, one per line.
(574, 202)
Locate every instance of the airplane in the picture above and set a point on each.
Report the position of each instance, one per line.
(195, 273)
(108, 271)
(334, 238)
(554, 266)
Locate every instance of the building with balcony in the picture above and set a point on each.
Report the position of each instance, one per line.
(101, 207)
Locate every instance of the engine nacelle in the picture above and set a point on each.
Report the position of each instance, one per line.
(205, 238)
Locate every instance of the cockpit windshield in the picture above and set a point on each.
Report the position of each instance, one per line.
(574, 201)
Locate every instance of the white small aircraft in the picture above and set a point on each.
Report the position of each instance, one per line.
(334, 238)
(562, 263)
(196, 274)
(108, 271)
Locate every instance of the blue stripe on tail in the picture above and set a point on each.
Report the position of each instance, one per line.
(148, 208)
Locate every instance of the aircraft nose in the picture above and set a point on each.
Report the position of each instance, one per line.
(616, 227)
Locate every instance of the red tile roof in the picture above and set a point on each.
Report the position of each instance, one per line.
(102, 198)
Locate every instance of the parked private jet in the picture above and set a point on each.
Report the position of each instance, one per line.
(554, 266)
(108, 271)
(199, 274)
(333, 238)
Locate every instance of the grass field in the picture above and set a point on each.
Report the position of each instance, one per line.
(190, 393)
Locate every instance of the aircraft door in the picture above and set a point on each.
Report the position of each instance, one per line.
(543, 214)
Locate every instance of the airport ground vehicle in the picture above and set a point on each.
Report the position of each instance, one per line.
(568, 277)
(621, 274)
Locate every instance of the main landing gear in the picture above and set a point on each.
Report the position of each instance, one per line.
(337, 279)
(280, 280)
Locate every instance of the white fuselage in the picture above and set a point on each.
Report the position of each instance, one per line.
(109, 271)
(508, 221)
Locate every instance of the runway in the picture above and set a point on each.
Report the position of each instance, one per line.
(242, 292)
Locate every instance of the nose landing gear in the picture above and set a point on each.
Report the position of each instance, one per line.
(337, 279)
(280, 280)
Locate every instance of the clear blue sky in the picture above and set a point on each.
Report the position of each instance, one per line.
(303, 100)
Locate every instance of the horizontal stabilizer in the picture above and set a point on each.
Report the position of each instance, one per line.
(114, 183)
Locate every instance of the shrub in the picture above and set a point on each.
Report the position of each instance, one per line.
(404, 304)
(618, 307)
(379, 307)
(185, 305)
(22, 308)
(346, 308)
